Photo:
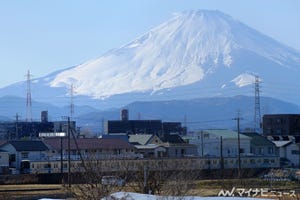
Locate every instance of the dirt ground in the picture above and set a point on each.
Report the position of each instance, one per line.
(199, 188)
(32, 191)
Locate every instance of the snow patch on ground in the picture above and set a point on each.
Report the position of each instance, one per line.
(137, 196)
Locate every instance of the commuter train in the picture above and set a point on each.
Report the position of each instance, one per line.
(115, 165)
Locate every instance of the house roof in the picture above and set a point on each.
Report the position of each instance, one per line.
(258, 139)
(282, 143)
(172, 138)
(226, 134)
(88, 143)
(141, 139)
(28, 145)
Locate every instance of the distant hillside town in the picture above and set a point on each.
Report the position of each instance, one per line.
(60, 146)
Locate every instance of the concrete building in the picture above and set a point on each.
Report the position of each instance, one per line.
(157, 127)
(22, 129)
(281, 125)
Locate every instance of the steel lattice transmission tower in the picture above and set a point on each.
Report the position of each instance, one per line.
(28, 98)
(257, 116)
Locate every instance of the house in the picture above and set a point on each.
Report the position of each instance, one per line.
(293, 154)
(21, 150)
(148, 145)
(288, 149)
(151, 150)
(4, 162)
(90, 148)
(261, 146)
(177, 147)
(210, 141)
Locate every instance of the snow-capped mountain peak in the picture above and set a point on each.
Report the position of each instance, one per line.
(184, 50)
(194, 54)
(176, 53)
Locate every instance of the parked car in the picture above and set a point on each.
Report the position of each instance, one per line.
(112, 180)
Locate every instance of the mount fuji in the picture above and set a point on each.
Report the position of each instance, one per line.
(194, 54)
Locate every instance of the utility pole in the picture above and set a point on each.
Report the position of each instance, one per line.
(17, 128)
(221, 156)
(61, 157)
(28, 99)
(239, 144)
(69, 154)
(202, 145)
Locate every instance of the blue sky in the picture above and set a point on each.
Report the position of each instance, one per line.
(49, 35)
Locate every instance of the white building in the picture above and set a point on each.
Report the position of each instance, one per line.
(24, 150)
(289, 150)
(209, 143)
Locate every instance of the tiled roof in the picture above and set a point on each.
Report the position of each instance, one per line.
(88, 143)
(28, 145)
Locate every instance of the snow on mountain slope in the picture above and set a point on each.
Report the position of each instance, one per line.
(194, 54)
(179, 52)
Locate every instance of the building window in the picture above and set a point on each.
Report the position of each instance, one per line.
(271, 150)
(242, 151)
(295, 152)
(260, 150)
(182, 151)
(24, 155)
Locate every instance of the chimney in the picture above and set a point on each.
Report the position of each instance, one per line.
(44, 116)
(124, 115)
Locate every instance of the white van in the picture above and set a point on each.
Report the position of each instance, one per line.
(112, 180)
